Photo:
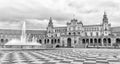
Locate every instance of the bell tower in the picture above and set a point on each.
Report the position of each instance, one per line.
(106, 25)
(105, 19)
(50, 27)
(50, 24)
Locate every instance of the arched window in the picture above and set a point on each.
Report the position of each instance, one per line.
(118, 40)
(83, 41)
(91, 40)
(91, 34)
(95, 40)
(51, 41)
(97, 34)
(87, 40)
(104, 40)
(2, 40)
(78, 32)
(109, 40)
(69, 33)
(40, 41)
(55, 40)
(74, 33)
(99, 40)
(58, 40)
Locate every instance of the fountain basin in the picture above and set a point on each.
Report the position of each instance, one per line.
(15, 43)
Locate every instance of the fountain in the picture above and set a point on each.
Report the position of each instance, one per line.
(22, 42)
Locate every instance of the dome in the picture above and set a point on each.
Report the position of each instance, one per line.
(80, 22)
(74, 20)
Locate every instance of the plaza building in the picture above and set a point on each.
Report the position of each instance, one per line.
(75, 34)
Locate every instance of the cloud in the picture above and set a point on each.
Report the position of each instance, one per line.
(110, 4)
(13, 12)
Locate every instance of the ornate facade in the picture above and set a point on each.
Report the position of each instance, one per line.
(74, 34)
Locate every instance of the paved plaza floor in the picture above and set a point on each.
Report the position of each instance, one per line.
(61, 56)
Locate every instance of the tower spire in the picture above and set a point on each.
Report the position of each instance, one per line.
(74, 18)
(105, 19)
(50, 24)
(105, 13)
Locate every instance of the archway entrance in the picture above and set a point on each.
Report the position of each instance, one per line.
(83, 41)
(105, 41)
(91, 42)
(99, 42)
(69, 42)
(57, 46)
(95, 41)
(2, 40)
(40, 41)
(118, 40)
(109, 41)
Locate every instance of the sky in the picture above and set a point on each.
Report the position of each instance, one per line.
(36, 13)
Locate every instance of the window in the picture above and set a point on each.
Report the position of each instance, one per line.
(78, 32)
(74, 41)
(58, 40)
(52, 41)
(91, 33)
(51, 35)
(69, 33)
(105, 32)
(55, 40)
(56, 35)
(105, 29)
(97, 34)
(74, 33)
(85, 34)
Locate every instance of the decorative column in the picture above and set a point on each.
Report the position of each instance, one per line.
(102, 41)
(65, 42)
(93, 42)
(72, 42)
(49, 41)
(107, 42)
(113, 41)
(85, 43)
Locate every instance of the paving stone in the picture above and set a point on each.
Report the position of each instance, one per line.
(102, 61)
(91, 59)
(49, 63)
(113, 60)
(79, 60)
(64, 61)
(62, 56)
(89, 62)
